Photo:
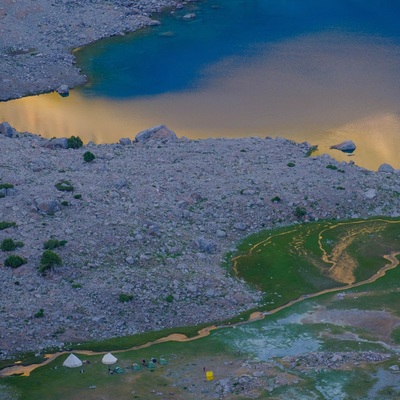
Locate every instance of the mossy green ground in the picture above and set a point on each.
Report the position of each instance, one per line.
(361, 319)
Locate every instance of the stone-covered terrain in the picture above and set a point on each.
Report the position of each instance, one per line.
(38, 37)
(152, 221)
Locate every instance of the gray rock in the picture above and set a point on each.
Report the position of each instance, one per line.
(221, 234)
(154, 22)
(157, 132)
(189, 16)
(6, 129)
(206, 246)
(125, 141)
(130, 260)
(119, 183)
(63, 90)
(386, 168)
(47, 206)
(241, 226)
(347, 146)
(394, 368)
(370, 194)
(57, 143)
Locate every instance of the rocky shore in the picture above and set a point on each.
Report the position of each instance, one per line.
(38, 38)
(147, 225)
(149, 222)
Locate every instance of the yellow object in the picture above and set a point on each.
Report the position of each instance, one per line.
(209, 375)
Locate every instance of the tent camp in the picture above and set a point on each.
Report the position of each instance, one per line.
(72, 361)
(109, 359)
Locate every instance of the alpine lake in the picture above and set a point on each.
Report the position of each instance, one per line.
(320, 72)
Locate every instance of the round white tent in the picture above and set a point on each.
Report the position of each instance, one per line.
(72, 361)
(109, 359)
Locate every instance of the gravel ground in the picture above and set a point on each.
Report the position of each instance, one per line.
(153, 220)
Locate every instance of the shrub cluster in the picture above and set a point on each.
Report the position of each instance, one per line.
(39, 314)
(300, 212)
(52, 244)
(64, 186)
(74, 142)
(124, 298)
(14, 261)
(10, 245)
(48, 261)
(5, 225)
(88, 156)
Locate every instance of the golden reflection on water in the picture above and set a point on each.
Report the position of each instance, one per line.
(323, 89)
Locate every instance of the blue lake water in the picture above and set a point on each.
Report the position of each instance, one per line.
(317, 71)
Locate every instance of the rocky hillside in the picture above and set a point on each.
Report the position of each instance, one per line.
(147, 225)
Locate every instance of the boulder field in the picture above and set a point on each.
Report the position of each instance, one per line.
(147, 225)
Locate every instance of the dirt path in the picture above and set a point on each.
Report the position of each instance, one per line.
(258, 315)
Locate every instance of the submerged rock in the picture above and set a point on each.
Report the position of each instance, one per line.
(189, 16)
(63, 90)
(347, 146)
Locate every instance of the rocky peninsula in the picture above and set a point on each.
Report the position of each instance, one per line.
(38, 38)
(147, 223)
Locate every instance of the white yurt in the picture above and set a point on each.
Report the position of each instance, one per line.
(109, 359)
(72, 361)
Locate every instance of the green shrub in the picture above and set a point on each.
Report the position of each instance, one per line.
(77, 196)
(10, 245)
(311, 150)
(76, 285)
(39, 314)
(74, 142)
(64, 186)
(65, 203)
(48, 261)
(14, 261)
(124, 298)
(88, 156)
(276, 199)
(330, 166)
(52, 244)
(5, 225)
(300, 212)
(6, 186)
(169, 298)
(291, 164)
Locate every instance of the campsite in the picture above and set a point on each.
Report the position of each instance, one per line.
(341, 341)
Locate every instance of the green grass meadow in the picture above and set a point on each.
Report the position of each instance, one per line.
(285, 264)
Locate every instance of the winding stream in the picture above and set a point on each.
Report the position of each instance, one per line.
(255, 316)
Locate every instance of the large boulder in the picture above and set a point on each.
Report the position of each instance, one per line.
(205, 245)
(160, 132)
(6, 129)
(63, 90)
(57, 143)
(125, 141)
(386, 168)
(47, 206)
(347, 146)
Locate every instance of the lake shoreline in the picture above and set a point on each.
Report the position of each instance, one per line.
(148, 225)
(36, 47)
